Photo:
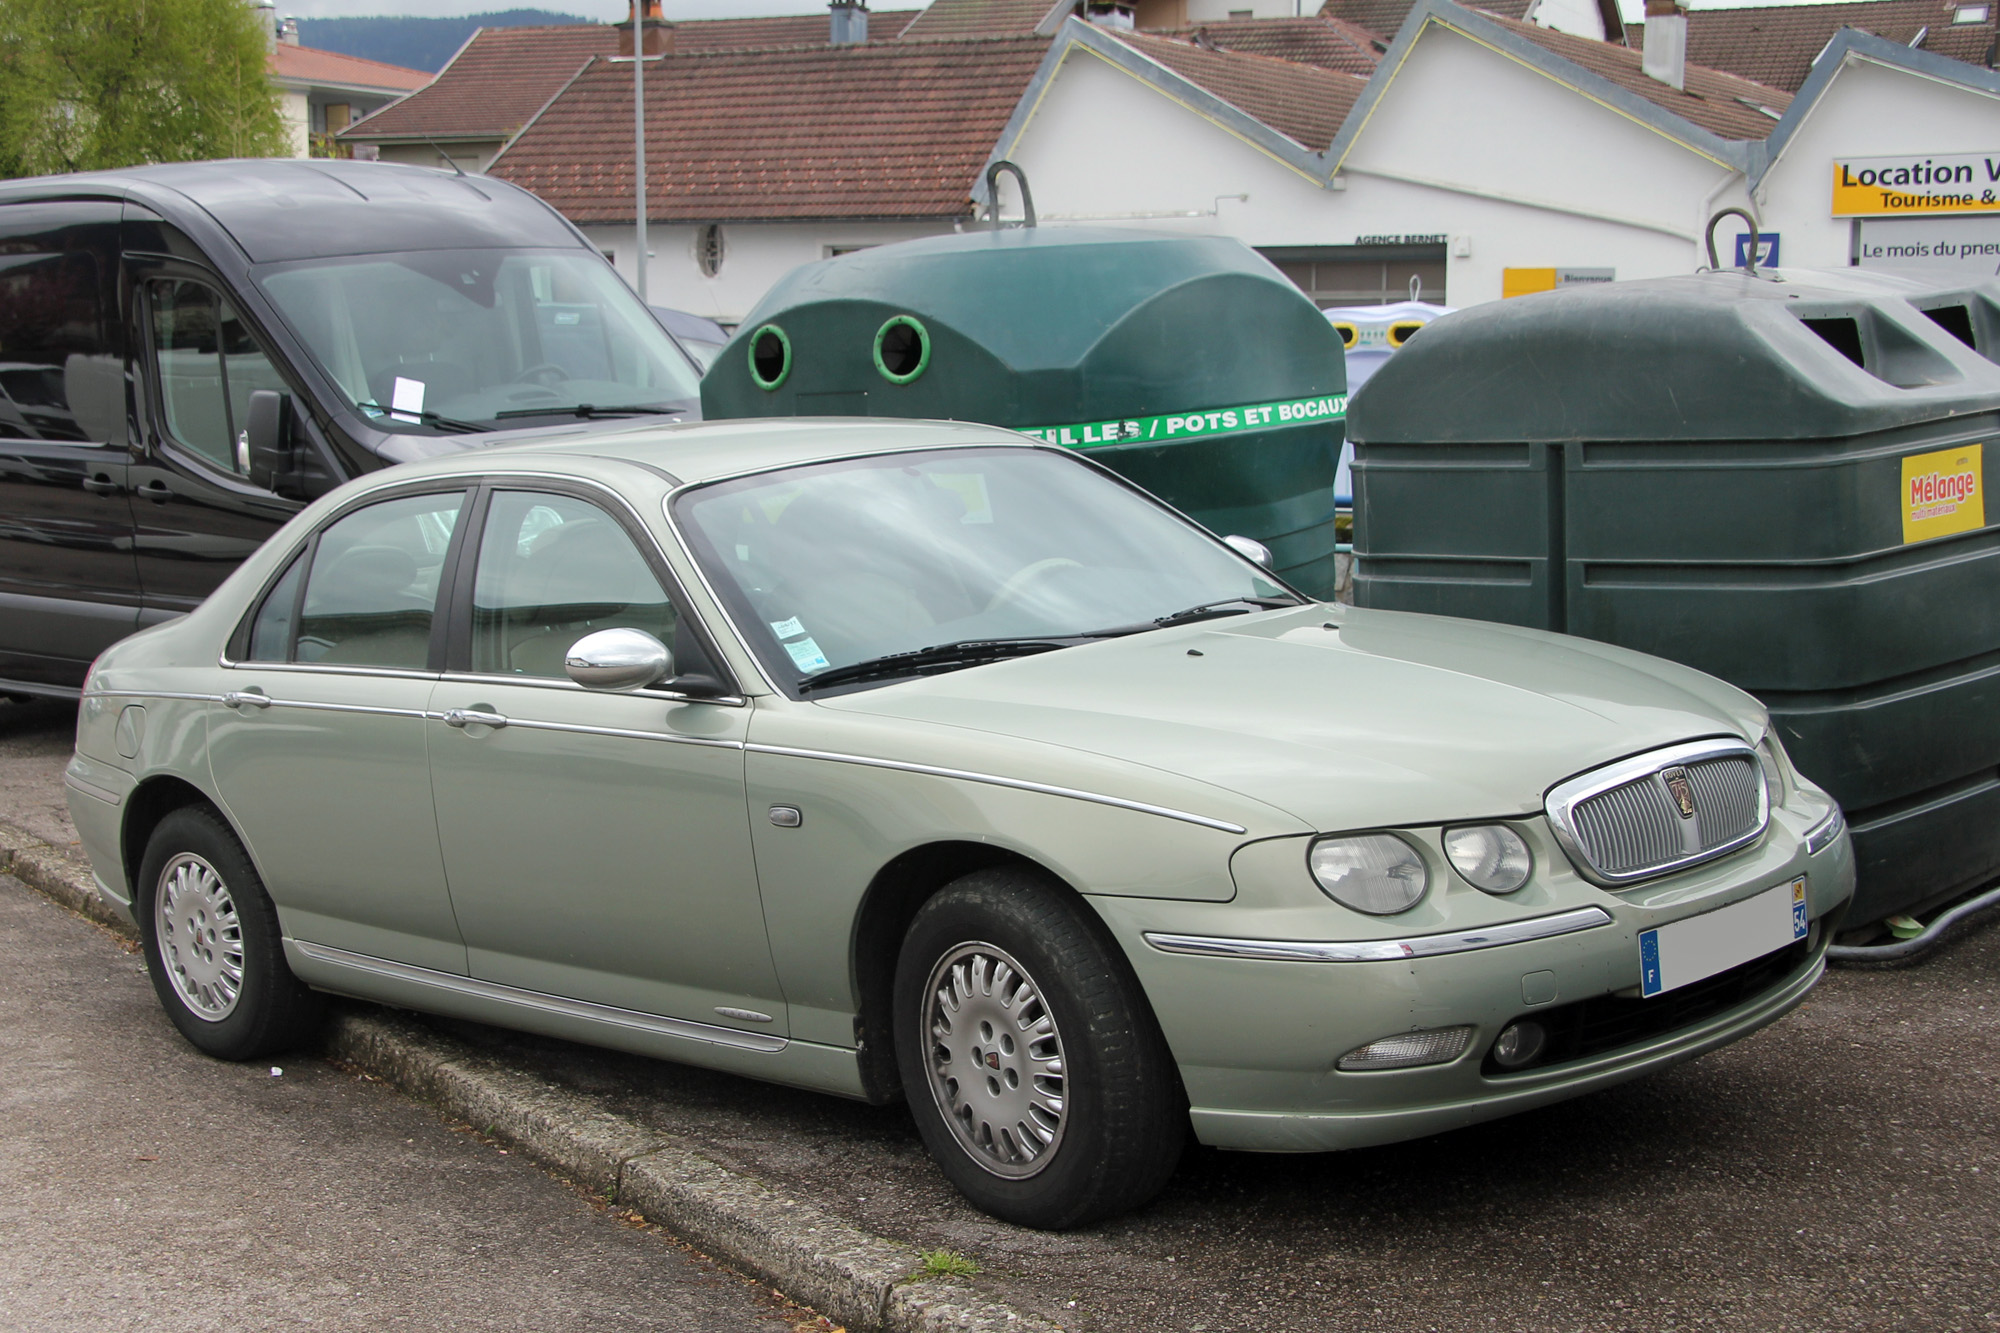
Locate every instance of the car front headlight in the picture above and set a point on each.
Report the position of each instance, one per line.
(1377, 873)
(1491, 857)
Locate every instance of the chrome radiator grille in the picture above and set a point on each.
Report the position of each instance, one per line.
(1661, 811)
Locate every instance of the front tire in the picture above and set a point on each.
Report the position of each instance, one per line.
(213, 945)
(1029, 1056)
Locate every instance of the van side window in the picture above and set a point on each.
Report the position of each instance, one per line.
(209, 365)
(60, 377)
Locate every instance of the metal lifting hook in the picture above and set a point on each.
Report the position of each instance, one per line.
(993, 194)
(1749, 255)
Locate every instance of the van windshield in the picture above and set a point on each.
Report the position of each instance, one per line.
(448, 340)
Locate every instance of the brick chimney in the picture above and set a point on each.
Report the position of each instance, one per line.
(1665, 54)
(657, 37)
(848, 23)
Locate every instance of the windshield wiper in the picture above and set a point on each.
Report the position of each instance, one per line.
(930, 661)
(428, 418)
(1228, 606)
(585, 411)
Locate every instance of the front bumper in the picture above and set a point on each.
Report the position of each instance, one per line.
(1257, 1039)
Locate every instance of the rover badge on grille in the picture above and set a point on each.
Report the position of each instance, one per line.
(1678, 788)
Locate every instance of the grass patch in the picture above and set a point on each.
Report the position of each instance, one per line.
(947, 1263)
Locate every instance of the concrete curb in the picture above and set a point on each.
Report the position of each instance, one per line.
(851, 1276)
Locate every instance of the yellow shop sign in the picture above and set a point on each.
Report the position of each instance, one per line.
(1943, 493)
(1891, 186)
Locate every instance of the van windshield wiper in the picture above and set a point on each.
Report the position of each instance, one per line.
(585, 411)
(937, 658)
(1227, 606)
(427, 418)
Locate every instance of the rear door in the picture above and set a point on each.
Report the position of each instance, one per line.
(69, 585)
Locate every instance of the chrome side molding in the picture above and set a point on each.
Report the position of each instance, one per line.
(1382, 951)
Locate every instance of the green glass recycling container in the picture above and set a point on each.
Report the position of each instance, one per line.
(1186, 363)
(1777, 479)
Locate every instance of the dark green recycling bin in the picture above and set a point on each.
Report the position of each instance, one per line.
(1780, 482)
(1187, 363)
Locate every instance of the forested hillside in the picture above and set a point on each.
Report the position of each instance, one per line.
(415, 43)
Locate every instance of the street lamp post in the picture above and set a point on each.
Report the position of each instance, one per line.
(639, 135)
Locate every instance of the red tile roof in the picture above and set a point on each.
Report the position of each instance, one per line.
(1384, 17)
(305, 64)
(890, 130)
(1721, 103)
(1302, 102)
(504, 76)
(948, 19)
(1776, 45)
(1329, 43)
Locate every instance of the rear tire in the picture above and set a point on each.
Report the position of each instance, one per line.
(213, 945)
(1030, 1057)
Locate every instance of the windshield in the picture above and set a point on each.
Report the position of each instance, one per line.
(832, 565)
(448, 340)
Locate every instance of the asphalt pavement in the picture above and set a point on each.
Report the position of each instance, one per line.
(1834, 1172)
(145, 1186)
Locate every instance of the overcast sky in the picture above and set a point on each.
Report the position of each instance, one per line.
(708, 9)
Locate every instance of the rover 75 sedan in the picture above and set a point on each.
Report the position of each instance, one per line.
(927, 761)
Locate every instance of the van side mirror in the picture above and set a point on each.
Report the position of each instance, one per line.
(268, 435)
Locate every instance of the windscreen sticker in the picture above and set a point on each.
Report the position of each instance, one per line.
(1943, 493)
(1190, 425)
(787, 629)
(408, 395)
(807, 656)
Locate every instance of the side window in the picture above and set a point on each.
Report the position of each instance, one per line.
(271, 631)
(60, 377)
(373, 587)
(209, 365)
(551, 570)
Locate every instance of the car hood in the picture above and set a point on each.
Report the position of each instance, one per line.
(1342, 718)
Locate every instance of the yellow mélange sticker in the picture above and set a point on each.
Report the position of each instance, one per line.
(1943, 493)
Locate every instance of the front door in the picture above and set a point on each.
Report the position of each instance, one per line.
(196, 512)
(69, 587)
(319, 747)
(596, 844)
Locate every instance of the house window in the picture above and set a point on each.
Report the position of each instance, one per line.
(708, 250)
(1970, 14)
(1340, 275)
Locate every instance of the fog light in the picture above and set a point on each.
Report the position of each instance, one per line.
(1407, 1050)
(1519, 1044)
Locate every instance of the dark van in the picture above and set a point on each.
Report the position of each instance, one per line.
(191, 352)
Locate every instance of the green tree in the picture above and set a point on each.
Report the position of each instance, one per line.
(91, 84)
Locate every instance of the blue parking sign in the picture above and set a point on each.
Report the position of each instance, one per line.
(1767, 249)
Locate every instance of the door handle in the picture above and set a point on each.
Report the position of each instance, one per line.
(473, 717)
(247, 699)
(101, 485)
(156, 491)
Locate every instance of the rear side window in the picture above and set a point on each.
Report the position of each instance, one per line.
(371, 593)
(209, 365)
(60, 377)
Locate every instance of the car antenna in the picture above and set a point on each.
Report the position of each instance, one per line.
(446, 156)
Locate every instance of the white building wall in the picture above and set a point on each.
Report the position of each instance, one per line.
(296, 109)
(755, 256)
(1870, 110)
(1215, 11)
(1517, 170)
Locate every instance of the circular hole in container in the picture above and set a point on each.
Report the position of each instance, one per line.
(770, 357)
(902, 349)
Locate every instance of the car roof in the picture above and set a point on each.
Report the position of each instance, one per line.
(704, 451)
(281, 209)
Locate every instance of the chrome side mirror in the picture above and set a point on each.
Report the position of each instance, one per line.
(618, 660)
(1250, 549)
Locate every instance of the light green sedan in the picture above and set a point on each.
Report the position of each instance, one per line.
(923, 760)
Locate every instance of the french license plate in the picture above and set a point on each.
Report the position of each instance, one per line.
(1687, 951)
